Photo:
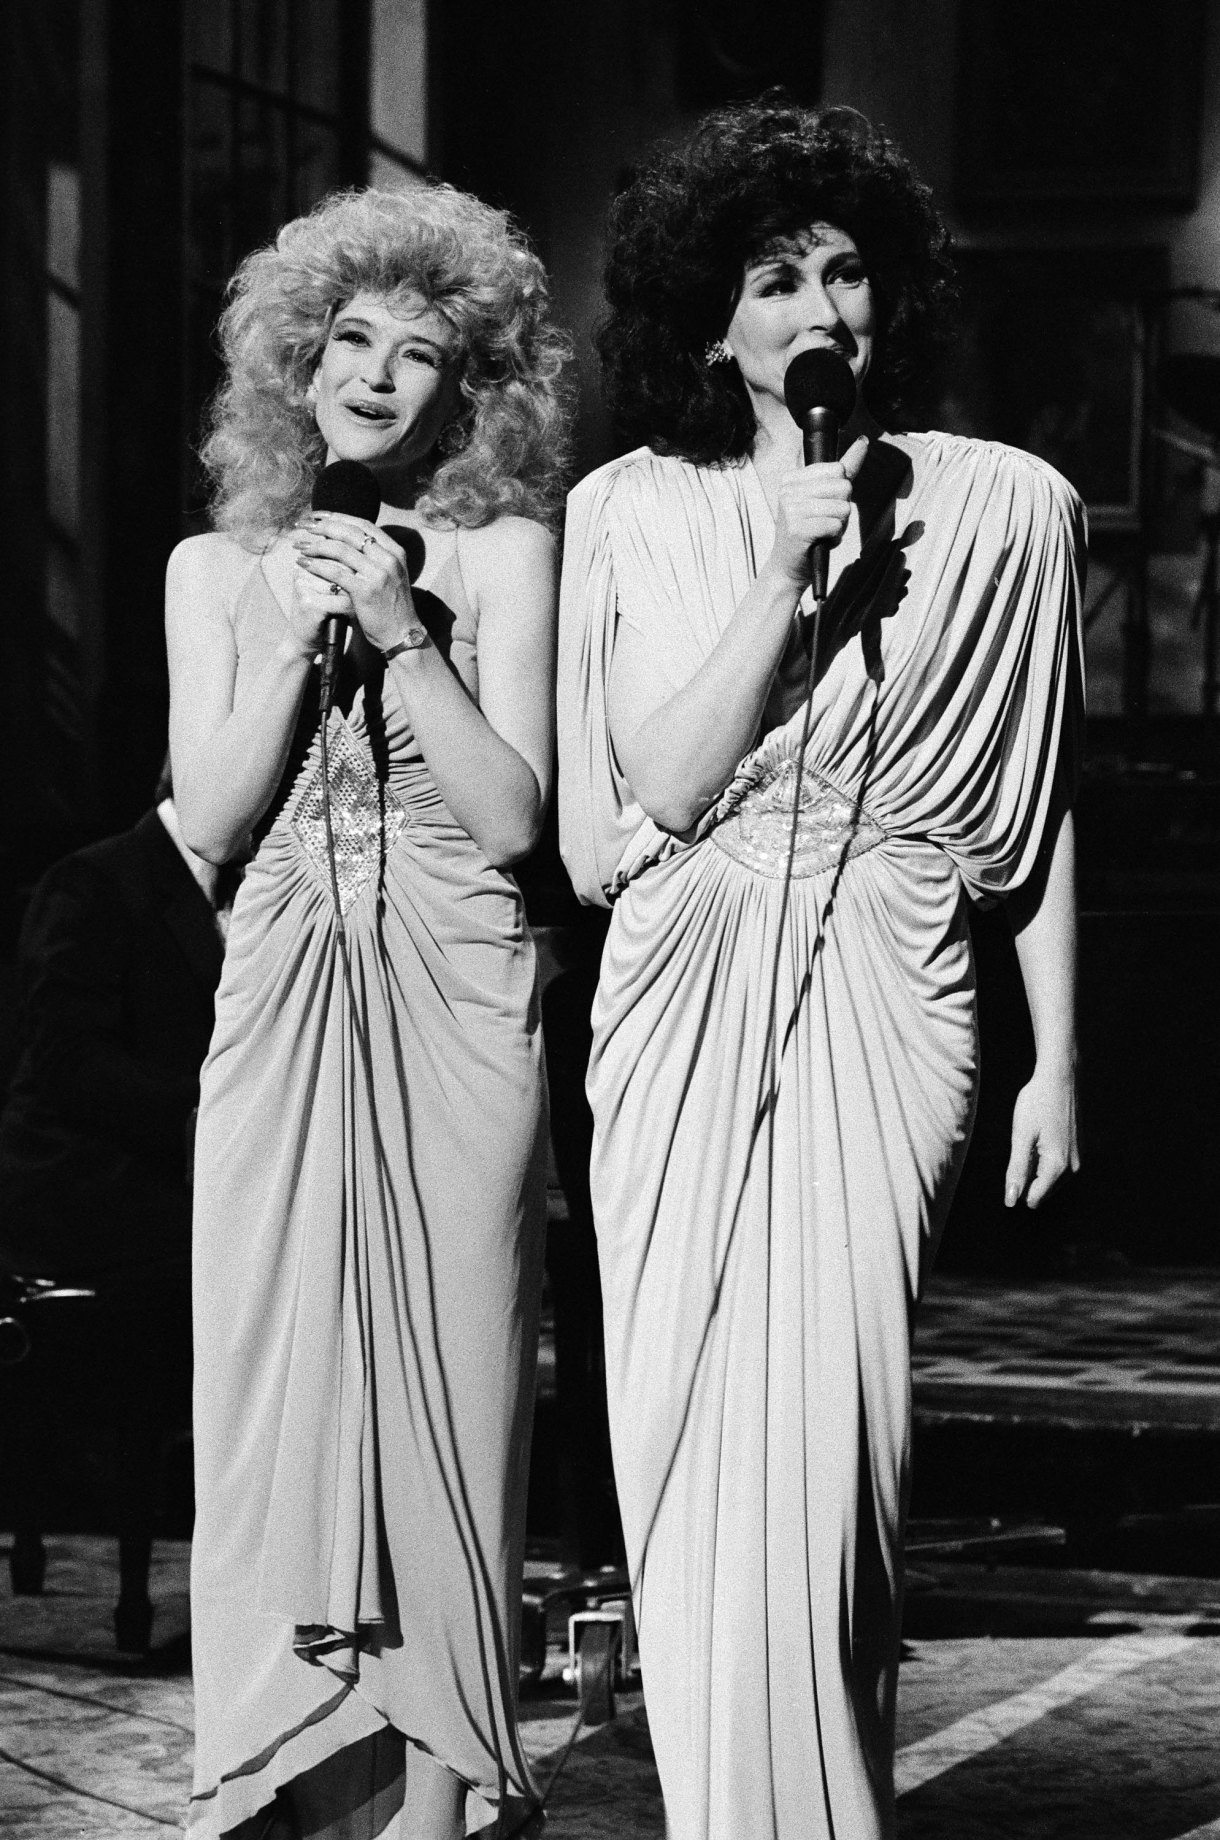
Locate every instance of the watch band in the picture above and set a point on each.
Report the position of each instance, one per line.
(412, 639)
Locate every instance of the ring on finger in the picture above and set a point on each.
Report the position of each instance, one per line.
(335, 588)
(365, 544)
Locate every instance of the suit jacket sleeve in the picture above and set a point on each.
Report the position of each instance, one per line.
(78, 953)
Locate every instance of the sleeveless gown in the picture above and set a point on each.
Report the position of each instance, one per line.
(369, 1220)
(768, 1200)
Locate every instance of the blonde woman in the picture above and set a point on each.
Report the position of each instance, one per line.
(369, 1165)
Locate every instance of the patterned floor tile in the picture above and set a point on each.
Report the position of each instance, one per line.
(1138, 1348)
(106, 1747)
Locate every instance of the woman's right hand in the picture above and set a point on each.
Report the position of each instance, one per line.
(312, 605)
(813, 506)
(230, 752)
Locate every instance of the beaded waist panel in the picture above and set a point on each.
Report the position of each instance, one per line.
(367, 818)
(831, 828)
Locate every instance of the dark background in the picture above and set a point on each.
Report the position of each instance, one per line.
(1076, 149)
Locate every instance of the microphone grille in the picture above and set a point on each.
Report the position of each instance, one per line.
(819, 379)
(347, 485)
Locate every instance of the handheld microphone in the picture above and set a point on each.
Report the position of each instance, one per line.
(820, 392)
(347, 485)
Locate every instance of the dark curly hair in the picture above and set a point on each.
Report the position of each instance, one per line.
(749, 180)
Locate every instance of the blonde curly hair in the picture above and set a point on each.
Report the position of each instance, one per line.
(506, 450)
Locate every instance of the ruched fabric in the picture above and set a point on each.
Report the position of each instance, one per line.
(370, 1204)
(768, 1201)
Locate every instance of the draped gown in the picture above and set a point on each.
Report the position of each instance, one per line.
(767, 1204)
(370, 1205)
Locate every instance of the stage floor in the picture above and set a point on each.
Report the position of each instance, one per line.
(1138, 1351)
(1031, 1705)
(1033, 1702)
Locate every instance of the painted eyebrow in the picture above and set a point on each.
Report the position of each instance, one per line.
(790, 258)
(771, 265)
(366, 325)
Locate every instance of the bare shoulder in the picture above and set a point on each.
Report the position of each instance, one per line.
(516, 546)
(208, 569)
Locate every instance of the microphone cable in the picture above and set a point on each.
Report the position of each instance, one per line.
(833, 384)
(769, 1067)
(798, 787)
(769, 1073)
(453, 1489)
(349, 486)
(332, 866)
(325, 705)
(821, 393)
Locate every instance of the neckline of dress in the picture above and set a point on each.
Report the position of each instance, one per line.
(847, 550)
(755, 492)
(757, 503)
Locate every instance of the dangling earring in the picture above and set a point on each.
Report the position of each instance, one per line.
(454, 436)
(717, 353)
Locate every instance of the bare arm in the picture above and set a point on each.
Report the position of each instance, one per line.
(492, 759)
(227, 762)
(1043, 915)
(679, 753)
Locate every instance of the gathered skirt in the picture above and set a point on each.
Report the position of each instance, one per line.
(370, 1212)
(767, 1206)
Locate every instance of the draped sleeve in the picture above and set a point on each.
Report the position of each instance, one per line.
(957, 714)
(597, 814)
(666, 548)
(991, 735)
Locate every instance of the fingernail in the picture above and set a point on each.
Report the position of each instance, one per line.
(1010, 1195)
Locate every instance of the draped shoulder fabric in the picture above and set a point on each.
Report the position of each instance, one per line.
(768, 1198)
(369, 1219)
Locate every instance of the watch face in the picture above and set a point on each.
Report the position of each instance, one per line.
(412, 639)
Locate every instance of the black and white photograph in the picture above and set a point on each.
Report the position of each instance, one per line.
(610, 920)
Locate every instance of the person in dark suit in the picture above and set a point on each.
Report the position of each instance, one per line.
(118, 963)
(119, 957)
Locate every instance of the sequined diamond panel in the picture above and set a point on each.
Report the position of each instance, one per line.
(366, 818)
(830, 830)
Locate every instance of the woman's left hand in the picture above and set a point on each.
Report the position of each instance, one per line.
(367, 566)
(1044, 1144)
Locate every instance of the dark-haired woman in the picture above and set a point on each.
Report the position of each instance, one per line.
(770, 1176)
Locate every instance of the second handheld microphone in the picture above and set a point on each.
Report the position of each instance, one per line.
(820, 392)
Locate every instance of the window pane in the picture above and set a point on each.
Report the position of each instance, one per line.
(253, 161)
(208, 39)
(318, 54)
(63, 415)
(262, 175)
(63, 590)
(63, 224)
(317, 164)
(264, 42)
(398, 79)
